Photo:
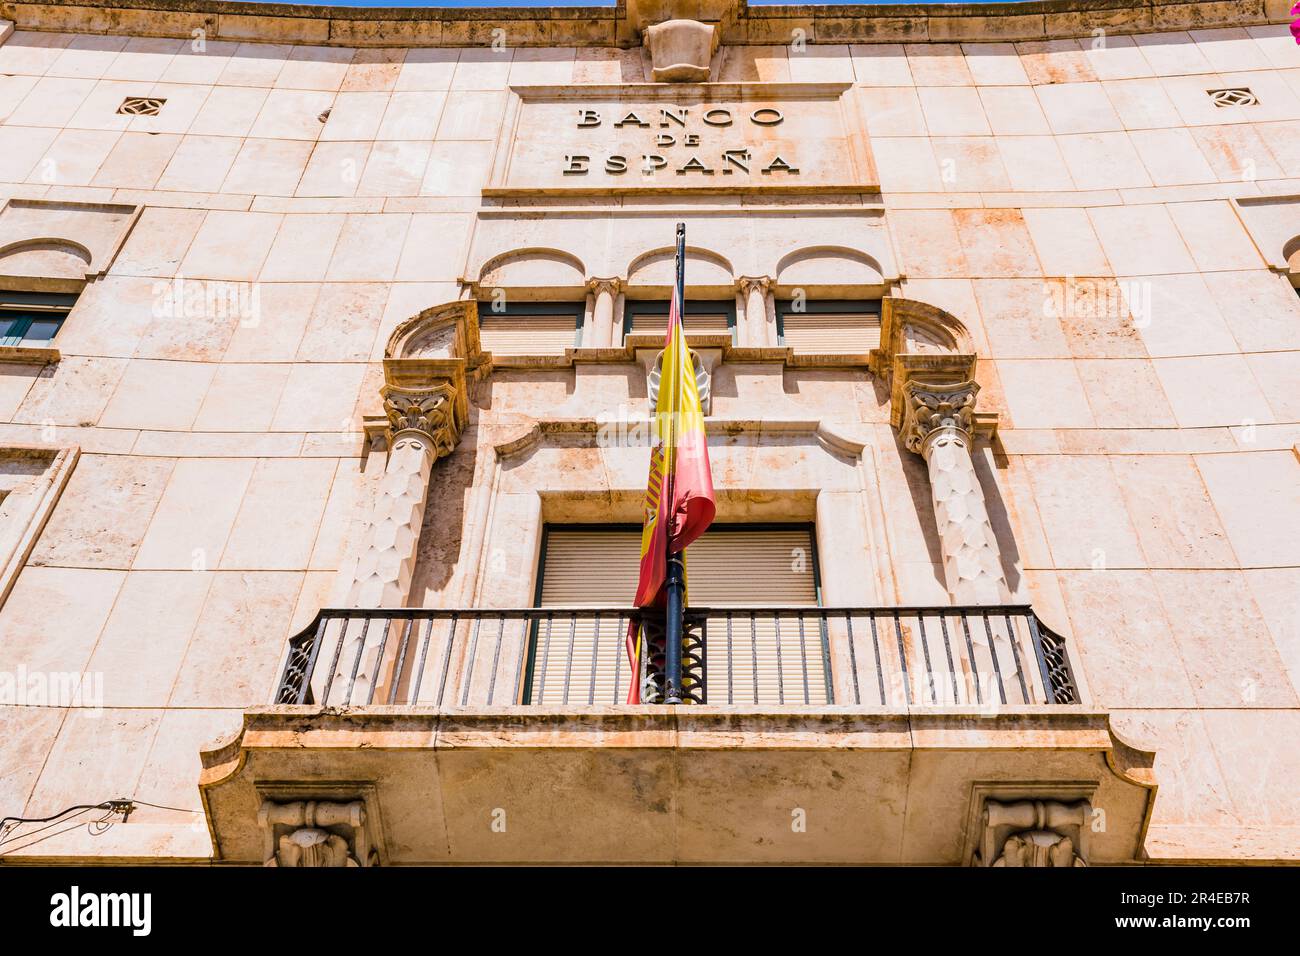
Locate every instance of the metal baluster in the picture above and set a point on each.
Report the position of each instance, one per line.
(356, 664)
(401, 659)
(311, 660)
(902, 656)
(525, 633)
(925, 648)
(803, 659)
(496, 657)
(619, 654)
(730, 681)
(1037, 638)
(467, 676)
(379, 661)
(997, 668)
(568, 658)
(446, 659)
(1015, 653)
(853, 656)
(595, 655)
(947, 648)
(334, 664)
(827, 674)
(424, 653)
(546, 659)
(875, 648)
(974, 664)
(780, 667)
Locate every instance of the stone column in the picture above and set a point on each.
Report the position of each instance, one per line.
(754, 290)
(938, 423)
(426, 405)
(601, 334)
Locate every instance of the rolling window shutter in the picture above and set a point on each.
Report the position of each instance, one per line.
(527, 334)
(658, 324)
(730, 568)
(825, 333)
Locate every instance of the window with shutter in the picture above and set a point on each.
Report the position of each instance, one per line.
(651, 317)
(828, 327)
(529, 328)
(731, 567)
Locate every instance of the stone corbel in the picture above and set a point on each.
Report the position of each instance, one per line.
(315, 833)
(1037, 833)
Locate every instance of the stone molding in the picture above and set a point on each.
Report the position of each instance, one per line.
(27, 501)
(613, 26)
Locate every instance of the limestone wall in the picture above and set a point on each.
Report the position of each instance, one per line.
(1143, 483)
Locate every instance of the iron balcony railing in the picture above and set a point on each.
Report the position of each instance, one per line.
(981, 656)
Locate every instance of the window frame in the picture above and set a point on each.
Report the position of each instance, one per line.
(824, 307)
(32, 307)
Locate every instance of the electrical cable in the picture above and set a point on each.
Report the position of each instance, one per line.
(121, 805)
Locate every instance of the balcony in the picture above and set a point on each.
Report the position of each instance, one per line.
(979, 656)
(486, 735)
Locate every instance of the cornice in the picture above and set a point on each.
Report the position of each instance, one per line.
(610, 26)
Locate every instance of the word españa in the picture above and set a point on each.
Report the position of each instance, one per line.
(672, 123)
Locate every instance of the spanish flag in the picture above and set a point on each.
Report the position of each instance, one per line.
(679, 504)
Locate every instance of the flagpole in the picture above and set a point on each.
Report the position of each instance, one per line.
(676, 576)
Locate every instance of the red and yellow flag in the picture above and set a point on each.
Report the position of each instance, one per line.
(679, 504)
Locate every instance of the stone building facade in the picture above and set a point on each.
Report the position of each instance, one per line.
(311, 308)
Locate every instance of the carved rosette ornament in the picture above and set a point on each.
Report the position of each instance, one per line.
(315, 833)
(1034, 833)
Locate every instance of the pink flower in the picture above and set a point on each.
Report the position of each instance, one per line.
(1295, 24)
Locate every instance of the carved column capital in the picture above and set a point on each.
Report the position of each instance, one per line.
(426, 397)
(748, 284)
(610, 286)
(932, 411)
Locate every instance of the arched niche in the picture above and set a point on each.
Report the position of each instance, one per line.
(704, 270)
(446, 331)
(533, 269)
(829, 270)
(47, 258)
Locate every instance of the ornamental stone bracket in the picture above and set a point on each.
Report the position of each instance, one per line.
(681, 35)
(1033, 833)
(681, 50)
(316, 833)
